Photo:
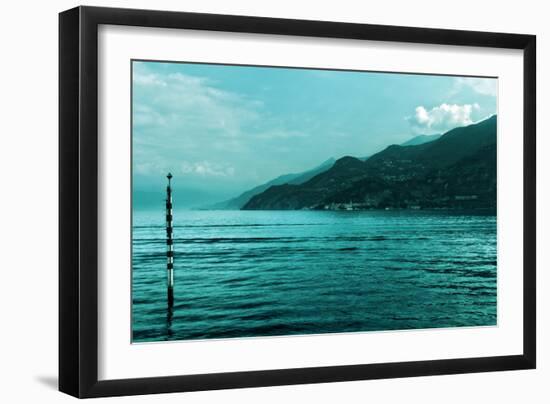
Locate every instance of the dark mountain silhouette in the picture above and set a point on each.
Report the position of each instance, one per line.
(456, 170)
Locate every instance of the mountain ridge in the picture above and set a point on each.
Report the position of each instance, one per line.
(297, 178)
(413, 176)
(421, 139)
(294, 178)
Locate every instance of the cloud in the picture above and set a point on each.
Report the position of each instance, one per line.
(186, 123)
(206, 169)
(148, 168)
(145, 116)
(482, 86)
(167, 102)
(441, 118)
(148, 80)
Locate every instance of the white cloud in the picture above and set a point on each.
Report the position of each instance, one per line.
(150, 168)
(144, 116)
(482, 86)
(442, 118)
(148, 80)
(189, 104)
(206, 169)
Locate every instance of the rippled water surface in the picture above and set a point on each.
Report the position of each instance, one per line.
(264, 273)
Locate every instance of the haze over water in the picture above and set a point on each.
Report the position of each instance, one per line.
(269, 273)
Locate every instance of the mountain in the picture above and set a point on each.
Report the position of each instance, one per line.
(307, 175)
(420, 139)
(296, 178)
(456, 170)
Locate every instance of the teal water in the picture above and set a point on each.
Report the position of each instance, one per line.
(266, 273)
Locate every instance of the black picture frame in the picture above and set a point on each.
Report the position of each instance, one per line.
(78, 201)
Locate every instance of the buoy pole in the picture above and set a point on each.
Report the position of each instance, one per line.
(169, 243)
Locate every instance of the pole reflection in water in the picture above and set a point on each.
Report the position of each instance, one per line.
(169, 319)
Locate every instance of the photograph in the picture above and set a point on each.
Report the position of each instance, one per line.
(276, 201)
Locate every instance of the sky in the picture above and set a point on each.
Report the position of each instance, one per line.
(221, 130)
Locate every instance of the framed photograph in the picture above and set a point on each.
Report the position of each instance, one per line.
(251, 201)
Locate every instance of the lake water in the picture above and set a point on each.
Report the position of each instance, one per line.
(266, 273)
